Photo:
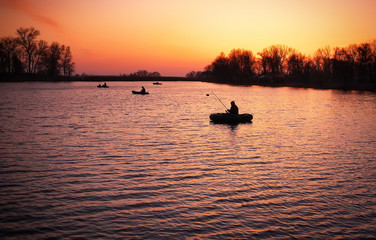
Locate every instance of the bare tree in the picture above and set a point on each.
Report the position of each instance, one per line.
(219, 68)
(274, 59)
(373, 71)
(27, 39)
(52, 60)
(237, 67)
(364, 59)
(8, 54)
(66, 63)
(154, 74)
(24, 53)
(191, 75)
(296, 63)
(342, 68)
(141, 73)
(41, 50)
(241, 63)
(322, 59)
(264, 61)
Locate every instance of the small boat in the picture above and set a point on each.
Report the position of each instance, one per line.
(140, 92)
(231, 118)
(102, 86)
(157, 83)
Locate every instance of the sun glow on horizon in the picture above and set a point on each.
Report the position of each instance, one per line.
(175, 37)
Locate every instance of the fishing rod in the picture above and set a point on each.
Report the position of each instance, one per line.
(219, 100)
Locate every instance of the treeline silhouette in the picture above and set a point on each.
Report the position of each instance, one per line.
(143, 74)
(25, 57)
(351, 67)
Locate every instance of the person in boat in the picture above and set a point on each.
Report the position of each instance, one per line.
(234, 109)
(104, 85)
(143, 90)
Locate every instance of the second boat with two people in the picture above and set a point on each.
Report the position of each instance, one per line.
(103, 86)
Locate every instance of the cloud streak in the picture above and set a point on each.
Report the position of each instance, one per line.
(30, 10)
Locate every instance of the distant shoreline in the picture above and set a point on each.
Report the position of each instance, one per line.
(87, 78)
(113, 78)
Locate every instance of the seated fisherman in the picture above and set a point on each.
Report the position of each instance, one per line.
(234, 109)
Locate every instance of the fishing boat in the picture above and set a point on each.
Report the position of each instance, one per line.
(140, 92)
(103, 86)
(231, 118)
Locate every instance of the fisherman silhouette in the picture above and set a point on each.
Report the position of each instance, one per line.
(234, 109)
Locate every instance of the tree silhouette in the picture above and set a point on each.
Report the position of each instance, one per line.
(145, 74)
(52, 59)
(365, 62)
(24, 53)
(349, 67)
(42, 47)
(322, 59)
(67, 64)
(220, 67)
(298, 65)
(273, 59)
(237, 67)
(8, 54)
(241, 64)
(27, 39)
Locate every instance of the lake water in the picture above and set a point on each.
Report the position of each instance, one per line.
(87, 163)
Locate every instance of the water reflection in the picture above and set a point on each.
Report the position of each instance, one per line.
(232, 126)
(108, 164)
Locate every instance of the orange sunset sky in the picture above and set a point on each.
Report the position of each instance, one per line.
(174, 37)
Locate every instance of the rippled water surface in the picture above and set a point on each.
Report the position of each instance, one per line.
(81, 162)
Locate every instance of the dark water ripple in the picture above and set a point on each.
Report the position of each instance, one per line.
(82, 163)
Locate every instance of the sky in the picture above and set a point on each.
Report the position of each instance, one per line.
(174, 37)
